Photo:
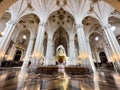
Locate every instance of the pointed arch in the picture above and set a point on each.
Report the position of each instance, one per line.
(93, 24)
(18, 55)
(30, 16)
(65, 12)
(92, 18)
(61, 37)
(29, 13)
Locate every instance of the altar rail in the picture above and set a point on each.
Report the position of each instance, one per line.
(77, 70)
(51, 61)
(51, 70)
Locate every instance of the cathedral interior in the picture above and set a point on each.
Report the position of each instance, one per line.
(60, 44)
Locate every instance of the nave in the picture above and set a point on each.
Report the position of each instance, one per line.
(102, 80)
(60, 45)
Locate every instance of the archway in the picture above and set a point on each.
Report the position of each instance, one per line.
(23, 37)
(61, 38)
(97, 45)
(18, 55)
(104, 60)
(95, 37)
(61, 22)
(28, 26)
(103, 57)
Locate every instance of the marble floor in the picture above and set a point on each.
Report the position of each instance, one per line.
(13, 79)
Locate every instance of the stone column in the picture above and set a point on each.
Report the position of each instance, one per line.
(113, 43)
(90, 58)
(22, 55)
(97, 57)
(10, 26)
(29, 50)
(49, 47)
(72, 48)
(49, 52)
(82, 44)
(12, 53)
(72, 51)
(38, 49)
(93, 56)
(30, 46)
(107, 53)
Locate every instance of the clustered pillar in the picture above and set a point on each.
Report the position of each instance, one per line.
(82, 44)
(113, 43)
(29, 50)
(7, 37)
(38, 49)
(49, 47)
(72, 51)
(49, 54)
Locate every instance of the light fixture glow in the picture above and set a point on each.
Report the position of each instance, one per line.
(2, 33)
(24, 37)
(113, 28)
(5, 56)
(97, 38)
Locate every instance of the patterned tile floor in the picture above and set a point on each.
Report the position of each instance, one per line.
(12, 79)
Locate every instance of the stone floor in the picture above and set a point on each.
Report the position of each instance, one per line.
(12, 79)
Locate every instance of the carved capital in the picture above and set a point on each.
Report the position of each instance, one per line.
(32, 38)
(107, 26)
(71, 39)
(12, 22)
(49, 39)
(42, 24)
(79, 26)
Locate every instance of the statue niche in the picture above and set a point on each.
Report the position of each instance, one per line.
(60, 54)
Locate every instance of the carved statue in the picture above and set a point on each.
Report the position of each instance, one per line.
(60, 53)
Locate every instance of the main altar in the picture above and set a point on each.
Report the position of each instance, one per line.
(60, 56)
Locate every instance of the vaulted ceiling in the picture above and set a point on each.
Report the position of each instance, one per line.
(114, 3)
(4, 4)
